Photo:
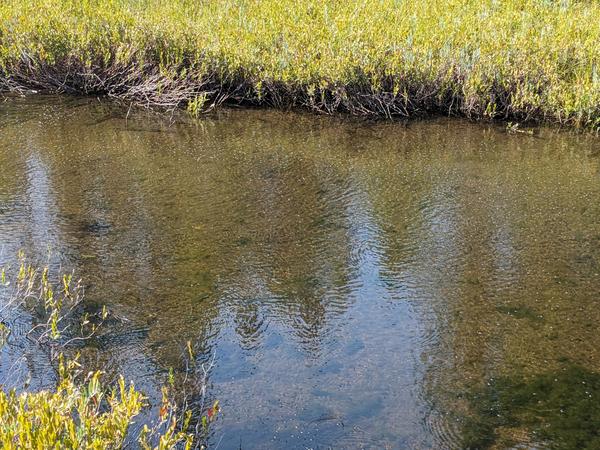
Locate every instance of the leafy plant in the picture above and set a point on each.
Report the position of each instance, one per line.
(81, 412)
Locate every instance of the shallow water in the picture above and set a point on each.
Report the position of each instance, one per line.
(359, 285)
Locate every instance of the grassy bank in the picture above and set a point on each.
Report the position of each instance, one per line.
(513, 59)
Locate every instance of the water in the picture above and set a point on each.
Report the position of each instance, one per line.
(359, 285)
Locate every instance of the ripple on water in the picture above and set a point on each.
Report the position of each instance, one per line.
(343, 273)
(445, 433)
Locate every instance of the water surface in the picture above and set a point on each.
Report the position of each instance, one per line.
(359, 285)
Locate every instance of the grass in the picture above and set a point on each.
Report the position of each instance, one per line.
(515, 59)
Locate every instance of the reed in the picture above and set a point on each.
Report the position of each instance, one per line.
(516, 59)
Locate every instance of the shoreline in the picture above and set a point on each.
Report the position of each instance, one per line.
(530, 127)
(523, 61)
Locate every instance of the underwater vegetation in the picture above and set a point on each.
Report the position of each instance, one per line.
(557, 409)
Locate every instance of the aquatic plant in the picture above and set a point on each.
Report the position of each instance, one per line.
(70, 416)
(81, 412)
(514, 59)
(558, 410)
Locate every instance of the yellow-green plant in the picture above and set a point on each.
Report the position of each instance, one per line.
(517, 59)
(71, 416)
(81, 412)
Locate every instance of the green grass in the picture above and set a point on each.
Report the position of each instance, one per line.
(511, 59)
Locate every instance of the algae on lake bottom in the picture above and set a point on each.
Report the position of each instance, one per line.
(557, 409)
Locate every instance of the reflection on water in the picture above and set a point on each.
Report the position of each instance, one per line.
(358, 283)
